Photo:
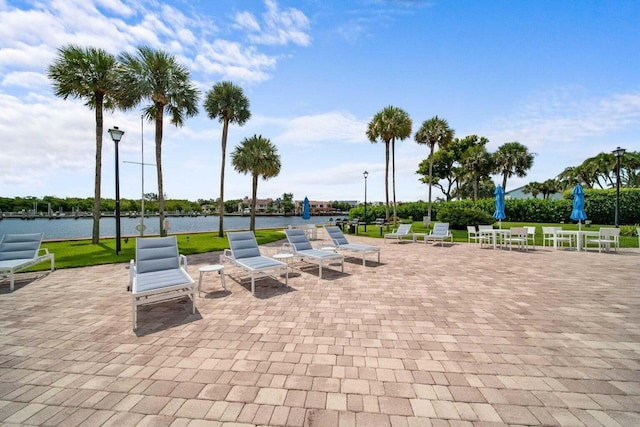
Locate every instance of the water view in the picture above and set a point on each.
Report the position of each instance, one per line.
(67, 228)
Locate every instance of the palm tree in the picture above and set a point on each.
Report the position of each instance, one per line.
(435, 131)
(512, 158)
(258, 156)
(89, 74)
(533, 188)
(226, 102)
(389, 124)
(157, 76)
(478, 163)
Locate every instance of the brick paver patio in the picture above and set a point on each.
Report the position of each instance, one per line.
(453, 335)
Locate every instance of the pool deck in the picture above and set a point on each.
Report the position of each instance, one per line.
(453, 335)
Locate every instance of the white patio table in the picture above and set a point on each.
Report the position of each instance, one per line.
(579, 235)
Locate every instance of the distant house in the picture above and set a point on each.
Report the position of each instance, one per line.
(517, 193)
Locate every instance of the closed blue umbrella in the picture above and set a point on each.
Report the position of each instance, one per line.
(306, 214)
(578, 214)
(499, 213)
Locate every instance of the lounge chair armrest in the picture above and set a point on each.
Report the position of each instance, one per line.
(45, 250)
(132, 272)
(226, 256)
(183, 261)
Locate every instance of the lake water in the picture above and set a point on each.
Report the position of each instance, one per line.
(68, 228)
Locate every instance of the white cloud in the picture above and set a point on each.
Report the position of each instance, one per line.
(330, 127)
(280, 26)
(25, 79)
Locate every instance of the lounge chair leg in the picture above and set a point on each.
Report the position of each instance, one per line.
(11, 281)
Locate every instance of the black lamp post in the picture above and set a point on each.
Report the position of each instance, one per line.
(116, 135)
(366, 174)
(618, 152)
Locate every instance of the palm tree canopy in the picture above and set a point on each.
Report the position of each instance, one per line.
(435, 131)
(512, 158)
(157, 76)
(392, 122)
(258, 156)
(227, 101)
(85, 73)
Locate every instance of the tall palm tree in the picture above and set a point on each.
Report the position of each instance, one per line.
(478, 164)
(435, 131)
(89, 74)
(512, 158)
(226, 102)
(388, 125)
(259, 157)
(156, 76)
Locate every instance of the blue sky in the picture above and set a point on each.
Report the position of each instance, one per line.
(562, 78)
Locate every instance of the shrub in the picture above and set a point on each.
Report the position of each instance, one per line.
(459, 218)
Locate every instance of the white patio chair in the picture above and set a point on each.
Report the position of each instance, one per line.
(476, 236)
(404, 230)
(20, 251)
(607, 238)
(517, 236)
(531, 235)
(245, 253)
(342, 244)
(159, 273)
(440, 233)
(555, 238)
(302, 249)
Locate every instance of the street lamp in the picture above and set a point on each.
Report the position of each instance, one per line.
(116, 135)
(366, 174)
(618, 152)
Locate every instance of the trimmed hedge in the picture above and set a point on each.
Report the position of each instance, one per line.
(599, 206)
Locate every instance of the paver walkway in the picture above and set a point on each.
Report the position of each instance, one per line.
(453, 335)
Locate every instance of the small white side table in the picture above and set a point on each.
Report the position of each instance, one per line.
(209, 268)
(284, 256)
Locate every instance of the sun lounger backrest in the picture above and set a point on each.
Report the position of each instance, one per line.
(20, 246)
(337, 236)
(298, 239)
(156, 254)
(441, 229)
(243, 244)
(404, 229)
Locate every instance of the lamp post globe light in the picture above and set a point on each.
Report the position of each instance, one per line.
(116, 135)
(618, 152)
(365, 174)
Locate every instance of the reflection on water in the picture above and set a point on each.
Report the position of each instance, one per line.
(68, 228)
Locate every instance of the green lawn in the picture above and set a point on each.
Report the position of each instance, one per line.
(81, 253)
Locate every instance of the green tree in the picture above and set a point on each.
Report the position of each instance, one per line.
(89, 74)
(478, 164)
(435, 131)
(287, 203)
(534, 188)
(512, 159)
(156, 76)
(388, 125)
(226, 102)
(259, 157)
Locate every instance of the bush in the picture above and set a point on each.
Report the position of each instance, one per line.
(459, 218)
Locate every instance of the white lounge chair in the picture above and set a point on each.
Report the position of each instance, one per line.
(531, 235)
(21, 251)
(302, 249)
(439, 233)
(607, 238)
(404, 230)
(245, 254)
(159, 273)
(342, 244)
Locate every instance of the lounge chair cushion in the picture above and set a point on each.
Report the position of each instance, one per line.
(20, 246)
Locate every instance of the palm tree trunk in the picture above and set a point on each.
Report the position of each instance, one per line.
(393, 174)
(225, 129)
(386, 179)
(254, 194)
(504, 182)
(95, 235)
(159, 114)
(431, 148)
